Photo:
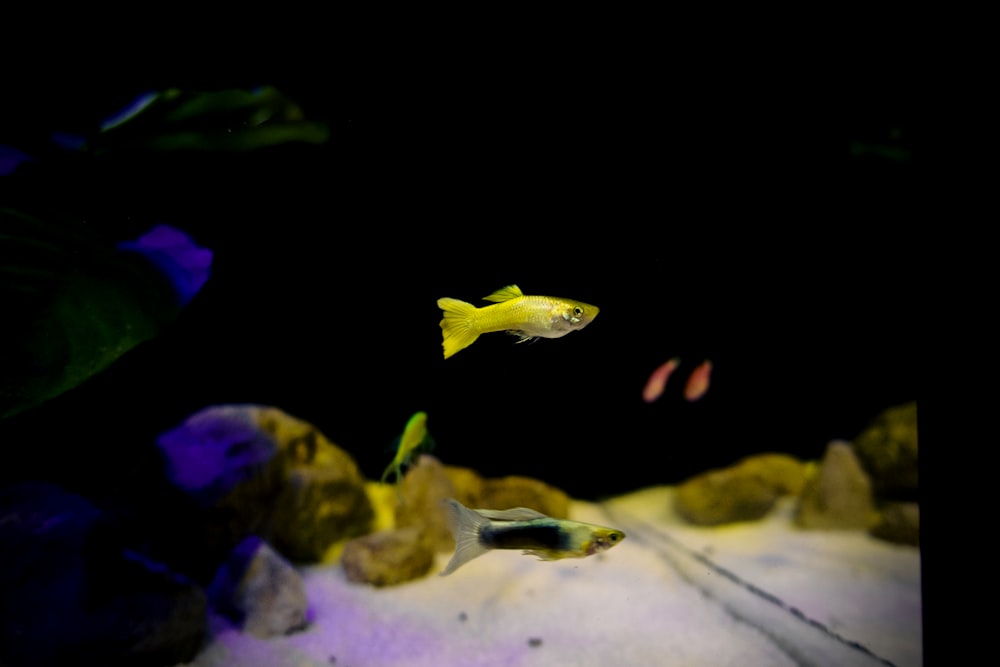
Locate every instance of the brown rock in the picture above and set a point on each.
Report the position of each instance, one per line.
(388, 557)
(257, 470)
(406, 552)
(468, 485)
(888, 450)
(428, 483)
(839, 496)
(899, 523)
(423, 490)
(395, 556)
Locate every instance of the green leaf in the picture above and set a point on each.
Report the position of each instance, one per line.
(74, 302)
(227, 120)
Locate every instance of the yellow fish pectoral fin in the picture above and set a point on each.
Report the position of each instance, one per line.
(504, 294)
(456, 326)
(522, 337)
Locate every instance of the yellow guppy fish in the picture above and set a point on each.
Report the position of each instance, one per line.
(479, 531)
(415, 439)
(525, 316)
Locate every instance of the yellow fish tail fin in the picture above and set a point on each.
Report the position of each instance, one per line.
(504, 294)
(456, 327)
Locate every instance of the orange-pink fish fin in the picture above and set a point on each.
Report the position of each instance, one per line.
(657, 381)
(698, 381)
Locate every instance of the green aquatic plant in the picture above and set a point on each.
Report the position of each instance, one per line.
(75, 301)
(225, 120)
(80, 286)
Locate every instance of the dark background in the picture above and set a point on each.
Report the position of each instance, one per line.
(710, 209)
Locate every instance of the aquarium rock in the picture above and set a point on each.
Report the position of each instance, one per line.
(781, 472)
(744, 491)
(260, 590)
(755, 593)
(467, 482)
(888, 450)
(73, 593)
(723, 496)
(519, 491)
(839, 496)
(407, 550)
(388, 557)
(899, 522)
(429, 482)
(422, 491)
(256, 470)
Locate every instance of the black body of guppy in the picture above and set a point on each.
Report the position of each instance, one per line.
(536, 535)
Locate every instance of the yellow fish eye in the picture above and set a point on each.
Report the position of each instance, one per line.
(578, 311)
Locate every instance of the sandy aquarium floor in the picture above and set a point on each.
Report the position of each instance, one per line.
(760, 593)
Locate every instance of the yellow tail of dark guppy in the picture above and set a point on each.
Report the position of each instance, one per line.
(456, 325)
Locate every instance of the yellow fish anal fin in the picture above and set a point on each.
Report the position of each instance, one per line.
(504, 294)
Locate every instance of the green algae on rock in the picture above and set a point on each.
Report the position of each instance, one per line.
(887, 449)
(898, 522)
(255, 470)
(745, 491)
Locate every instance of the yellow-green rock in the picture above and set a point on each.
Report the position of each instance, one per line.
(745, 491)
(887, 449)
(899, 523)
(518, 491)
(256, 470)
(723, 496)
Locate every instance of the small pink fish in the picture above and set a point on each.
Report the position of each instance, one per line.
(697, 383)
(658, 380)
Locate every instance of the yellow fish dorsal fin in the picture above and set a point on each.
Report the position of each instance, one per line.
(516, 514)
(504, 294)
